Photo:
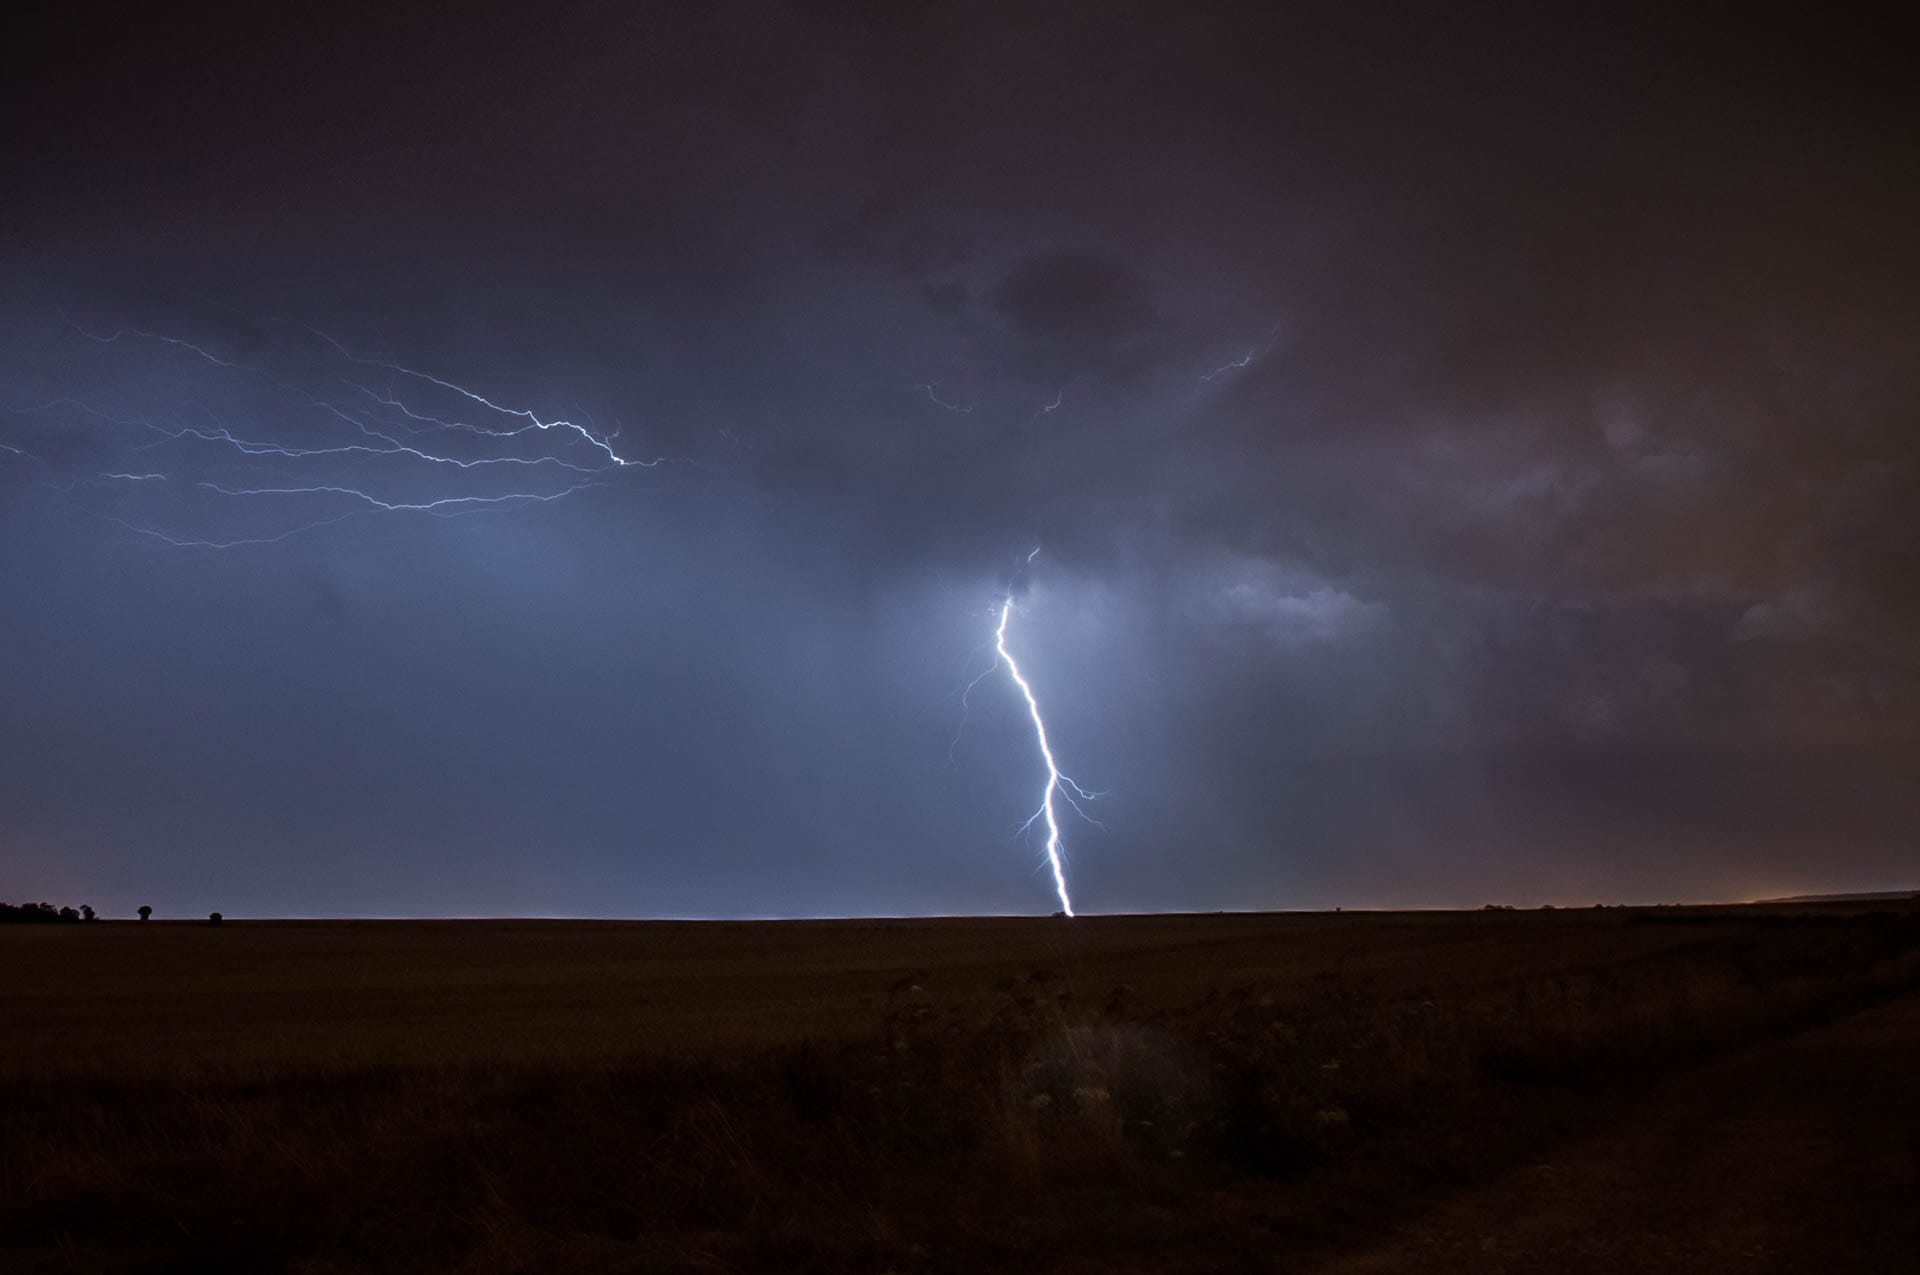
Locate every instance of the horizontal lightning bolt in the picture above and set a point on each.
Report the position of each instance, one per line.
(533, 421)
(387, 428)
(396, 506)
(114, 337)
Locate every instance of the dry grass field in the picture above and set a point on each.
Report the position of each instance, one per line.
(1235, 1092)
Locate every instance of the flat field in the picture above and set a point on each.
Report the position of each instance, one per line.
(1226, 1092)
(124, 997)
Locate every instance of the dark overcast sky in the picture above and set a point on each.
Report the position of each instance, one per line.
(1473, 457)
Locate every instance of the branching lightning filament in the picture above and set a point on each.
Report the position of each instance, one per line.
(1058, 786)
(447, 456)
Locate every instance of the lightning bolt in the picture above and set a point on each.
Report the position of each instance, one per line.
(114, 337)
(387, 426)
(930, 386)
(1225, 368)
(533, 420)
(966, 695)
(1259, 351)
(603, 442)
(1058, 785)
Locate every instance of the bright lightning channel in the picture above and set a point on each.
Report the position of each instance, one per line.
(1058, 784)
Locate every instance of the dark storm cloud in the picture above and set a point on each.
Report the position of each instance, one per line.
(1471, 453)
(1073, 311)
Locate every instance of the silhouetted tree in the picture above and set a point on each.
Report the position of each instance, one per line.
(38, 914)
(214, 918)
(86, 912)
(145, 911)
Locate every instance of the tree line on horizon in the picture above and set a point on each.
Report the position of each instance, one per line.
(43, 914)
(48, 914)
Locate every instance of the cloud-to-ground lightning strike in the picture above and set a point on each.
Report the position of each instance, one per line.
(1058, 785)
(385, 430)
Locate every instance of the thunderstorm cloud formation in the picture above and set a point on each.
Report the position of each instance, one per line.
(1473, 460)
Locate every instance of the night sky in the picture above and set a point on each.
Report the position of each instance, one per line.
(1472, 458)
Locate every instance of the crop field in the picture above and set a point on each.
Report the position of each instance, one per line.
(1361, 1091)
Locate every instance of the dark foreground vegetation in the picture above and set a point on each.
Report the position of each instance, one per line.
(1042, 1118)
(43, 914)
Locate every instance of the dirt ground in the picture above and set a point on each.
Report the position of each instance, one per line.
(1601, 1090)
(1797, 1156)
(125, 997)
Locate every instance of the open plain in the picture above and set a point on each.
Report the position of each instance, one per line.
(1493, 1090)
